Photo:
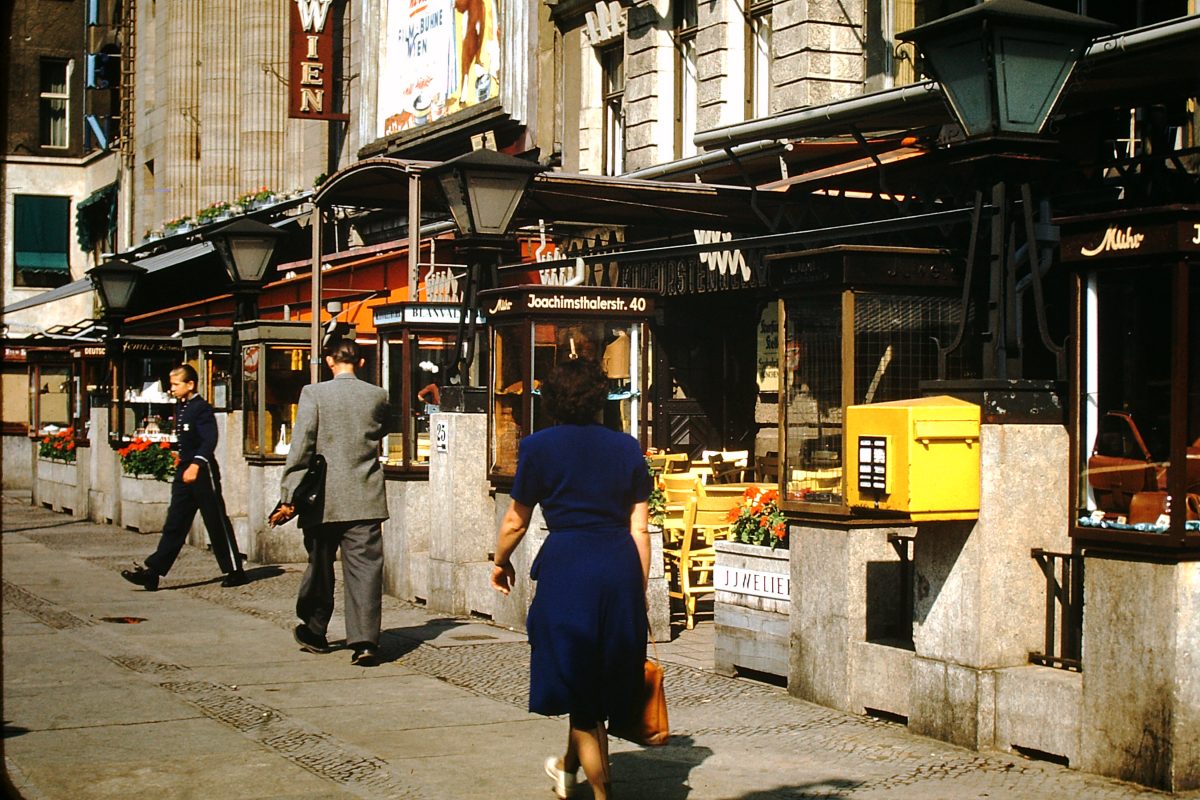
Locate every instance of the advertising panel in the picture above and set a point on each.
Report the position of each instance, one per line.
(440, 56)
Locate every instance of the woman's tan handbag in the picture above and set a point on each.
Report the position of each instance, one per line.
(650, 727)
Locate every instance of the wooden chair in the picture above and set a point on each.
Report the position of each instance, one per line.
(667, 463)
(690, 565)
(678, 488)
(766, 468)
(727, 472)
(725, 489)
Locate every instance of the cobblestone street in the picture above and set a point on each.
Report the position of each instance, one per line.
(206, 695)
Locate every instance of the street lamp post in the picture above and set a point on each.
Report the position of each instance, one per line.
(483, 189)
(246, 248)
(1002, 66)
(115, 280)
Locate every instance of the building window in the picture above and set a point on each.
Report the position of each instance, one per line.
(686, 81)
(54, 97)
(41, 240)
(758, 58)
(612, 66)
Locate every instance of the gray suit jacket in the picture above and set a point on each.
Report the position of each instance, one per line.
(342, 419)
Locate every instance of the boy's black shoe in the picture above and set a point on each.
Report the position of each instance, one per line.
(141, 576)
(235, 578)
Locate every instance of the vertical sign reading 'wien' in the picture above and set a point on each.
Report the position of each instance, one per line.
(311, 74)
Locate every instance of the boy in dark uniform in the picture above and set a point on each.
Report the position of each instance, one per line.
(197, 486)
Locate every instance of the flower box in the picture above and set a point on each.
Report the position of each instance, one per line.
(752, 608)
(144, 502)
(56, 484)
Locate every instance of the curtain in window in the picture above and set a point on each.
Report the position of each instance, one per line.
(41, 233)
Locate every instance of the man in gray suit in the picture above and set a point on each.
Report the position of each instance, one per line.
(342, 419)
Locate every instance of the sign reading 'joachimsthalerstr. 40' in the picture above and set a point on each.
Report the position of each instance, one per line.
(568, 301)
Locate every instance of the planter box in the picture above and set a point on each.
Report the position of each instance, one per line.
(57, 484)
(752, 608)
(144, 502)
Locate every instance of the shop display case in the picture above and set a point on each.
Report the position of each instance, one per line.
(275, 368)
(208, 351)
(51, 389)
(1136, 418)
(90, 387)
(15, 419)
(860, 325)
(416, 346)
(141, 405)
(532, 328)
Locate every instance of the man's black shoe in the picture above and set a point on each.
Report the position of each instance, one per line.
(365, 655)
(141, 576)
(310, 641)
(236, 578)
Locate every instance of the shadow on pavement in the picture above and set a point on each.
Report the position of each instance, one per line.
(659, 773)
(396, 643)
(13, 730)
(253, 574)
(825, 790)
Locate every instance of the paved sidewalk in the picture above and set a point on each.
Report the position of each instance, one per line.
(197, 691)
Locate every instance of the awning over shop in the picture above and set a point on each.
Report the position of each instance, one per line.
(151, 264)
(564, 198)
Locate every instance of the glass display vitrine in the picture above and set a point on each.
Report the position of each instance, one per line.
(51, 389)
(207, 350)
(141, 405)
(14, 391)
(275, 368)
(1136, 421)
(90, 387)
(535, 327)
(860, 325)
(416, 346)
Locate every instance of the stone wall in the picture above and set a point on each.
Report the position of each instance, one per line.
(1141, 676)
(18, 455)
(847, 599)
(980, 596)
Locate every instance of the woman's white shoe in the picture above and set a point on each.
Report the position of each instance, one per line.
(564, 782)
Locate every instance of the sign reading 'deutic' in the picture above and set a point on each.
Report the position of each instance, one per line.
(747, 581)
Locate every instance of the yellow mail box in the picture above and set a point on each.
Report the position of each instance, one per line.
(919, 457)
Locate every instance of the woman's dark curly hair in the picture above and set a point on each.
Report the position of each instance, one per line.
(575, 391)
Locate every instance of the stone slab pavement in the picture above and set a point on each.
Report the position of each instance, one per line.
(197, 691)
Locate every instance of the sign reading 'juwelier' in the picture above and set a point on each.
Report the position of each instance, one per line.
(736, 580)
(311, 88)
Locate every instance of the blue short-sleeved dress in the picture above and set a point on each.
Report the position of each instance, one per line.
(587, 622)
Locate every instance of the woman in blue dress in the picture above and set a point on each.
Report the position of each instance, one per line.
(587, 622)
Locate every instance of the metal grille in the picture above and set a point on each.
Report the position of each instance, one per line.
(1063, 646)
(895, 344)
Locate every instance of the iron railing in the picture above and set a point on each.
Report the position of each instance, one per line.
(1063, 645)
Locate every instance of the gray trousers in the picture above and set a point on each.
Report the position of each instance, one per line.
(361, 542)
